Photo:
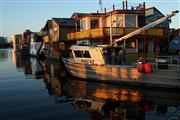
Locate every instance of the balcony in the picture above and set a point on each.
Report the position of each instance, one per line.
(116, 31)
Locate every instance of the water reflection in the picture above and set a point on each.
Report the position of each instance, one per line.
(3, 55)
(116, 102)
(101, 101)
(30, 66)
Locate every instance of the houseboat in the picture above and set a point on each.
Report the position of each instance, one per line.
(36, 45)
(90, 61)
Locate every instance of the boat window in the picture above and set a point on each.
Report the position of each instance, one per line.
(70, 54)
(78, 53)
(86, 54)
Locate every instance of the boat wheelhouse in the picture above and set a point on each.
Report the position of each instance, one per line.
(87, 54)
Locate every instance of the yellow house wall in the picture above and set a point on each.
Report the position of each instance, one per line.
(115, 19)
(108, 20)
(100, 22)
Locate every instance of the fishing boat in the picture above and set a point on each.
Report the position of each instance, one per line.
(91, 62)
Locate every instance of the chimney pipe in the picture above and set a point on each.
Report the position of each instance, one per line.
(104, 10)
(144, 6)
(126, 5)
(113, 7)
(123, 5)
(97, 11)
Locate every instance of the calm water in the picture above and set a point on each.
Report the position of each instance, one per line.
(31, 89)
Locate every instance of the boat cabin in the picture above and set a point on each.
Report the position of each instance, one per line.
(87, 54)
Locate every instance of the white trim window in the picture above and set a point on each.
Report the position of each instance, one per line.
(83, 24)
(130, 21)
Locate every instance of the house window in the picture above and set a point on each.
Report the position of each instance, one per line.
(131, 44)
(83, 24)
(62, 46)
(130, 21)
(94, 23)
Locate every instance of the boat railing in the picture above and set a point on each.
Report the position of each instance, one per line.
(171, 59)
(162, 63)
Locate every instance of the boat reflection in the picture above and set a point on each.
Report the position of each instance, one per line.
(117, 102)
(101, 101)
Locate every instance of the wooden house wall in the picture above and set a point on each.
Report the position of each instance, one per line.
(54, 32)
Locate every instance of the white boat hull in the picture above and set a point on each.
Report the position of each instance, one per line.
(101, 72)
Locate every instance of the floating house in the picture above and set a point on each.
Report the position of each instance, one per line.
(152, 14)
(3, 42)
(16, 43)
(36, 44)
(56, 35)
(104, 28)
(174, 46)
(25, 43)
(46, 38)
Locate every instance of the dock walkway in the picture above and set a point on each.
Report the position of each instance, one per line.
(169, 78)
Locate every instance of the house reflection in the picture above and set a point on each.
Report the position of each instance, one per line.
(14, 59)
(37, 68)
(22, 63)
(30, 66)
(54, 79)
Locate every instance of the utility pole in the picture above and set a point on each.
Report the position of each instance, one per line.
(111, 39)
(101, 5)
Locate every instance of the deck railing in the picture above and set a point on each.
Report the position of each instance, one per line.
(116, 31)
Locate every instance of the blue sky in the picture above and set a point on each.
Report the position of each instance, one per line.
(18, 15)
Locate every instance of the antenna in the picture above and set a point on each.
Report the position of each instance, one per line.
(101, 5)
